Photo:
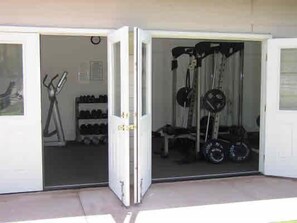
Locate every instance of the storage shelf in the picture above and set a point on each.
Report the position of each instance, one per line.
(79, 120)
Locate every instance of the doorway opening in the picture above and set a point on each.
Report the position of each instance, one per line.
(223, 80)
(74, 110)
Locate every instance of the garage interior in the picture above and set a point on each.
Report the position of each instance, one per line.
(230, 81)
(82, 101)
(77, 153)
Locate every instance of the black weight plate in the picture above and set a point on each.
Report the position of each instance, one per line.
(210, 144)
(216, 155)
(182, 97)
(214, 100)
(203, 121)
(239, 152)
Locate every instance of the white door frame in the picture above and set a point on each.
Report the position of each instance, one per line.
(58, 32)
(172, 34)
(263, 38)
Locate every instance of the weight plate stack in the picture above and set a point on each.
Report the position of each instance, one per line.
(239, 152)
(214, 151)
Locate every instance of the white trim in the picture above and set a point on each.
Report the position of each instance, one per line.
(263, 105)
(210, 35)
(56, 31)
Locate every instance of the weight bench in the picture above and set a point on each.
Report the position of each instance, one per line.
(170, 132)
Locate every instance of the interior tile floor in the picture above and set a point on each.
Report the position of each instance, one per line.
(79, 164)
(241, 199)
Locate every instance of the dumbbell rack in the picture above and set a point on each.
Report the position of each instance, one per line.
(79, 120)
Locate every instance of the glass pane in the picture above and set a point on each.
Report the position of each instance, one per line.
(11, 79)
(144, 80)
(288, 80)
(117, 80)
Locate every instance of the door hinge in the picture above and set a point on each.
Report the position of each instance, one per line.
(125, 115)
(122, 191)
(126, 127)
(141, 184)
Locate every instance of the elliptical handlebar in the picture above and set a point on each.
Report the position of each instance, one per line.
(60, 84)
(51, 82)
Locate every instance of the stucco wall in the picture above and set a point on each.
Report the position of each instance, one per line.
(278, 17)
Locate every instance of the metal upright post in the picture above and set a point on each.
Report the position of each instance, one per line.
(240, 98)
(174, 80)
(198, 73)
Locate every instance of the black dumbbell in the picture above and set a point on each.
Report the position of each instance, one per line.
(87, 140)
(99, 113)
(83, 129)
(89, 129)
(87, 114)
(104, 98)
(92, 99)
(81, 98)
(96, 129)
(95, 140)
(94, 114)
(101, 99)
(88, 99)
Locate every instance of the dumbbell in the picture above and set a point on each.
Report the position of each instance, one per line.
(89, 129)
(92, 99)
(86, 140)
(95, 140)
(104, 115)
(103, 140)
(105, 98)
(83, 129)
(94, 114)
(96, 129)
(101, 99)
(87, 114)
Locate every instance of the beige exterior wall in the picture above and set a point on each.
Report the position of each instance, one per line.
(278, 17)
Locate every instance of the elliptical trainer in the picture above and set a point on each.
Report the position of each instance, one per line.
(53, 91)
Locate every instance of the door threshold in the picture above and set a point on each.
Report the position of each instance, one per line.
(75, 186)
(206, 176)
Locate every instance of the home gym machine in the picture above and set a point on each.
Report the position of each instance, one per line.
(215, 148)
(187, 97)
(218, 147)
(53, 90)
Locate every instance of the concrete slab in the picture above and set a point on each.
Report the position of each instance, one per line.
(56, 206)
(241, 199)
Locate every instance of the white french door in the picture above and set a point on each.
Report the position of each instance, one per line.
(118, 114)
(143, 111)
(20, 113)
(281, 109)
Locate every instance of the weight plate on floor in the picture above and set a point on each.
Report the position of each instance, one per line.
(216, 155)
(216, 149)
(239, 152)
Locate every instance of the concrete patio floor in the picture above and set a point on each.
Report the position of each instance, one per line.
(241, 199)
